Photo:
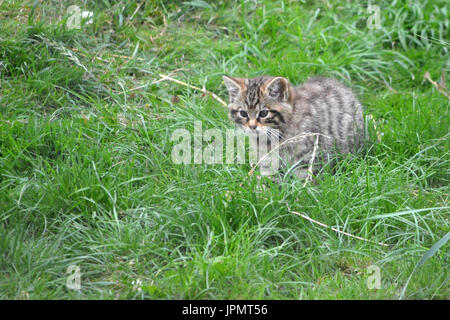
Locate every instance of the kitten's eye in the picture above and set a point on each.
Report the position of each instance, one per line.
(263, 113)
(243, 114)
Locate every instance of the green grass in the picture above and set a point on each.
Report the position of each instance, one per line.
(86, 176)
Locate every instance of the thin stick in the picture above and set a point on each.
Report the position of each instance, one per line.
(12, 122)
(109, 54)
(135, 11)
(194, 87)
(439, 86)
(165, 26)
(336, 230)
(154, 81)
(375, 126)
(311, 162)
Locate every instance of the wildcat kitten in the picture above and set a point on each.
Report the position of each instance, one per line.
(321, 107)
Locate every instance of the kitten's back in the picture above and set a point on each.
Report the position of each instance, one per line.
(331, 109)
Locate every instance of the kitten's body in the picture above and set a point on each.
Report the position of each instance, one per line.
(321, 107)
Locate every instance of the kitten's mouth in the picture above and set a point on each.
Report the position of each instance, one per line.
(264, 131)
(253, 131)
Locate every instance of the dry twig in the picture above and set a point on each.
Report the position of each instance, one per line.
(109, 54)
(439, 86)
(311, 162)
(336, 230)
(194, 87)
(375, 126)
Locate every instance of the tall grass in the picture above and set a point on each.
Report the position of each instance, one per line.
(86, 176)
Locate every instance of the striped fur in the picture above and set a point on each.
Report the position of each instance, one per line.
(321, 106)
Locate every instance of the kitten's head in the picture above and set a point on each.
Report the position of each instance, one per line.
(260, 104)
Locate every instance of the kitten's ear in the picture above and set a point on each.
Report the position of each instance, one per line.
(278, 89)
(234, 86)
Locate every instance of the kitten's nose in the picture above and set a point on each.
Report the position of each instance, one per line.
(253, 127)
